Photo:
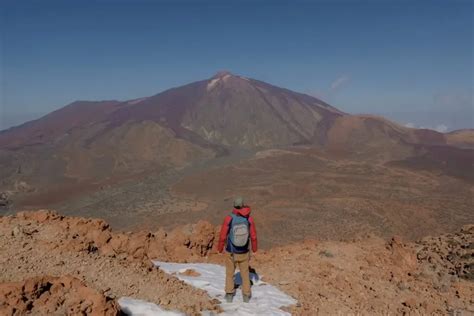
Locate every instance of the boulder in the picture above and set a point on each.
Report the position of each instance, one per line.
(4, 200)
(47, 295)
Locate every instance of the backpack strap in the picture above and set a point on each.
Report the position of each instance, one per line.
(229, 242)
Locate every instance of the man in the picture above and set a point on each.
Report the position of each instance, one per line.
(236, 233)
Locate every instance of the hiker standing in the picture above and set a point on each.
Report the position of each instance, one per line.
(236, 233)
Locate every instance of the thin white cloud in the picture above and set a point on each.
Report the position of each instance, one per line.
(334, 87)
(340, 82)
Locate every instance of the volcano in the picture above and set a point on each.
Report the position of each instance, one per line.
(225, 110)
(108, 141)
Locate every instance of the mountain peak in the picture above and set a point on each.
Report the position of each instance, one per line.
(222, 73)
(221, 77)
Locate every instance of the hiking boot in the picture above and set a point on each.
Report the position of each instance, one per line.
(246, 298)
(229, 297)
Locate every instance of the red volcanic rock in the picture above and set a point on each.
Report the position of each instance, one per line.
(190, 272)
(366, 276)
(137, 245)
(39, 216)
(95, 235)
(49, 295)
(202, 238)
(191, 241)
(45, 243)
(450, 253)
(402, 254)
(468, 229)
(156, 246)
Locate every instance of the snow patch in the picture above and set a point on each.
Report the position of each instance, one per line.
(135, 101)
(212, 83)
(266, 299)
(135, 307)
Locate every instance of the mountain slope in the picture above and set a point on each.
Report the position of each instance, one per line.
(461, 138)
(100, 141)
(224, 110)
(105, 141)
(56, 124)
(236, 111)
(376, 138)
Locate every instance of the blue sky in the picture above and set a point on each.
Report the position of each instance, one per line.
(411, 61)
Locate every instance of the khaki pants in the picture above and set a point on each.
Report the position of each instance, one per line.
(240, 260)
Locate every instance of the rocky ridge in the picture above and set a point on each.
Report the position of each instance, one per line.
(45, 243)
(367, 275)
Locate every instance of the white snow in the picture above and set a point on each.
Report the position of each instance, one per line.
(212, 83)
(135, 307)
(135, 101)
(266, 299)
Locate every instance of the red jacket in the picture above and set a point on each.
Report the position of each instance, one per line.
(245, 211)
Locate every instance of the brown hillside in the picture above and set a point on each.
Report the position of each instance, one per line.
(312, 194)
(119, 161)
(366, 275)
(461, 138)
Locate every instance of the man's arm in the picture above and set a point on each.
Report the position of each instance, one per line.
(253, 234)
(223, 234)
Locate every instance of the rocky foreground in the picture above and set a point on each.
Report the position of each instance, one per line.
(113, 264)
(51, 264)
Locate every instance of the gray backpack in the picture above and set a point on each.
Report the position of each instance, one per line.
(239, 231)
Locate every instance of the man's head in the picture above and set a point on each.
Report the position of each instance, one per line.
(239, 202)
